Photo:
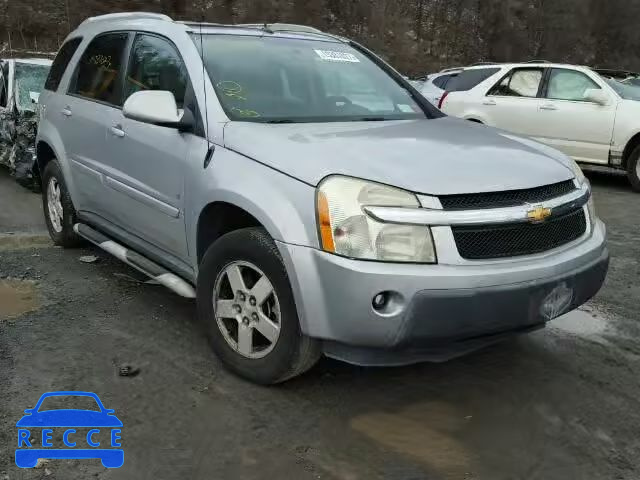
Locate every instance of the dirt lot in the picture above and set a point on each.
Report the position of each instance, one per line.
(562, 403)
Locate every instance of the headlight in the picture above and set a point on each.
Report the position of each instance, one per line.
(577, 172)
(591, 208)
(346, 230)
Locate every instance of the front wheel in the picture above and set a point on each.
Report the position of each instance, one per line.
(59, 213)
(246, 307)
(633, 169)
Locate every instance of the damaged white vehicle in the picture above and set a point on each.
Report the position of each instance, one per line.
(21, 81)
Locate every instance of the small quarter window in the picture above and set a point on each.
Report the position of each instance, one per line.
(60, 63)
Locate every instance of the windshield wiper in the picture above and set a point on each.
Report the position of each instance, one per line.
(282, 120)
(370, 119)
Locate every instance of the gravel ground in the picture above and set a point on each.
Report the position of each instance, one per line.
(561, 403)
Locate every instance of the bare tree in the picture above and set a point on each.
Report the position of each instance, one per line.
(415, 35)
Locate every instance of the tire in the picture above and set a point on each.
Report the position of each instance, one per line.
(61, 234)
(633, 169)
(292, 353)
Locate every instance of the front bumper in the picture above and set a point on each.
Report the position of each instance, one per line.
(445, 310)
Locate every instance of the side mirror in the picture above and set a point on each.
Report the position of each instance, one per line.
(29, 410)
(157, 107)
(596, 95)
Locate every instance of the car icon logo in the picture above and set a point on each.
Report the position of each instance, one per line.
(69, 433)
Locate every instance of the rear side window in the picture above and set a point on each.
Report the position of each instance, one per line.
(99, 72)
(468, 79)
(60, 63)
(523, 82)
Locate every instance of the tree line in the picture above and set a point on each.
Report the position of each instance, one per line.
(416, 36)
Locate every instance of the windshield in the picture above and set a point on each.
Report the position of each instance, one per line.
(635, 81)
(271, 79)
(625, 90)
(29, 78)
(76, 402)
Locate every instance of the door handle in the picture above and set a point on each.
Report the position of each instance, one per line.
(117, 131)
(548, 107)
(489, 102)
(66, 111)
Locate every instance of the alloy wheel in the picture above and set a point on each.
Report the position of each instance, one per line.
(246, 309)
(54, 204)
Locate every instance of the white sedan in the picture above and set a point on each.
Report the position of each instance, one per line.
(592, 119)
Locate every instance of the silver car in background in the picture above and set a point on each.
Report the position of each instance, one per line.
(306, 195)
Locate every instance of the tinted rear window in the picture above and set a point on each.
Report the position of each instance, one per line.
(468, 79)
(60, 63)
(441, 82)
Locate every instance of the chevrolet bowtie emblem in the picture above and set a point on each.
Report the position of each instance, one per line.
(538, 214)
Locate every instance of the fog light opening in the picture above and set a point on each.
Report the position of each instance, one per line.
(379, 301)
(387, 303)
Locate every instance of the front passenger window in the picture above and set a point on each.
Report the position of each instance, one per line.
(569, 85)
(156, 65)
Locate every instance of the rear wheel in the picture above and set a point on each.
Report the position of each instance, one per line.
(59, 213)
(633, 169)
(246, 307)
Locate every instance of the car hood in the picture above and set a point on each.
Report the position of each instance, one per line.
(69, 418)
(441, 156)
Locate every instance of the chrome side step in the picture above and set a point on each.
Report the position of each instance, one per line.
(137, 261)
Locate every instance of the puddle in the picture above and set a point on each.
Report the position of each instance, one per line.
(582, 322)
(427, 432)
(10, 241)
(17, 297)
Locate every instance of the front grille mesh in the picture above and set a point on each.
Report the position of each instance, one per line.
(497, 241)
(509, 198)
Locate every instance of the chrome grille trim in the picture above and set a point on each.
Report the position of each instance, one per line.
(433, 217)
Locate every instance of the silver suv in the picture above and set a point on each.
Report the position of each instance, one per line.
(310, 199)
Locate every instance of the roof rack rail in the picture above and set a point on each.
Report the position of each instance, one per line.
(537, 61)
(128, 16)
(268, 28)
(193, 23)
(450, 69)
(478, 64)
(282, 27)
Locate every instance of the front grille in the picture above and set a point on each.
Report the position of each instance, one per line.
(509, 198)
(497, 241)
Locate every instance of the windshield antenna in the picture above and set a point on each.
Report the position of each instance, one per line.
(206, 106)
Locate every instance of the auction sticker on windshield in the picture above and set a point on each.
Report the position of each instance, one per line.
(332, 56)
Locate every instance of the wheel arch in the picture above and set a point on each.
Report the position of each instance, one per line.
(631, 145)
(50, 147)
(219, 218)
(44, 154)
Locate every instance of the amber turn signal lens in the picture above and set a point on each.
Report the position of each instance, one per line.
(324, 220)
